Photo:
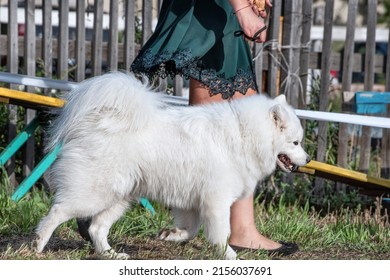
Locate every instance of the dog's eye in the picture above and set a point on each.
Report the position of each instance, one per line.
(296, 143)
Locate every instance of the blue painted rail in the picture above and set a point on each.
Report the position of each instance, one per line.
(18, 141)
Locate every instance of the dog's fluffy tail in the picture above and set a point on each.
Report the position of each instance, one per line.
(127, 99)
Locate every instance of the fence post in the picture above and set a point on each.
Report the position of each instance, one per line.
(47, 40)
(385, 153)
(147, 17)
(291, 40)
(80, 41)
(324, 89)
(97, 41)
(365, 144)
(129, 44)
(29, 56)
(178, 86)
(63, 40)
(113, 40)
(347, 62)
(258, 65)
(305, 50)
(12, 67)
(273, 76)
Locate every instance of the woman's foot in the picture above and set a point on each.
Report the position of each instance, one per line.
(245, 236)
(252, 239)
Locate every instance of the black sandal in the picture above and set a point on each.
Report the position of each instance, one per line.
(286, 248)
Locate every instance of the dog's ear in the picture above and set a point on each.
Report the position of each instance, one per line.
(278, 115)
(281, 98)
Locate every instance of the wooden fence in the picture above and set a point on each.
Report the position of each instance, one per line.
(283, 64)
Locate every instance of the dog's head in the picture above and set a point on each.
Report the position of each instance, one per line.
(289, 135)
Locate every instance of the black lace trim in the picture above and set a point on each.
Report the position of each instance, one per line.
(168, 64)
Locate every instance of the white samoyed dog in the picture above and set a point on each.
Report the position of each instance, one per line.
(122, 141)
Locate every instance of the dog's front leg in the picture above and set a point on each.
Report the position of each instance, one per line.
(216, 218)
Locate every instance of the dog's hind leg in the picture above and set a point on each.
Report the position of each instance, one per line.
(187, 224)
(57, 215)
(100, 226)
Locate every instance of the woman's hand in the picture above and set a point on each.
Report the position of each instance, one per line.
(259, 7)
(249, 20)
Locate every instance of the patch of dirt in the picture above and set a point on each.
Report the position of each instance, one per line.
(337, 253)
(19, 247)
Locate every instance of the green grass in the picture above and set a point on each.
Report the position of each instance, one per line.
(345, 234)
(20, 217)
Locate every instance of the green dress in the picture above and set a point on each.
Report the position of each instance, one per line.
(195, 39)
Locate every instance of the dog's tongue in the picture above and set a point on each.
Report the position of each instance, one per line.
(285, 160)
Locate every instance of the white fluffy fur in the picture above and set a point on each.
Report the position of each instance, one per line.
(121, 142)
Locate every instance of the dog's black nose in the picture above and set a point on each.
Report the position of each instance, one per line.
(308, 159)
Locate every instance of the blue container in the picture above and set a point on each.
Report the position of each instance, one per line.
(372, 103)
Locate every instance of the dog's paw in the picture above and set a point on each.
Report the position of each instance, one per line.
(174, 234)
(37, 245)
(111, 254)
(230, 254)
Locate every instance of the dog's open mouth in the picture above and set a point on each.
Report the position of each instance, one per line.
(285, 163)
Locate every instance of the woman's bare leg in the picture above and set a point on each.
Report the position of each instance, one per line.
(200, 95)
(243, 228)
